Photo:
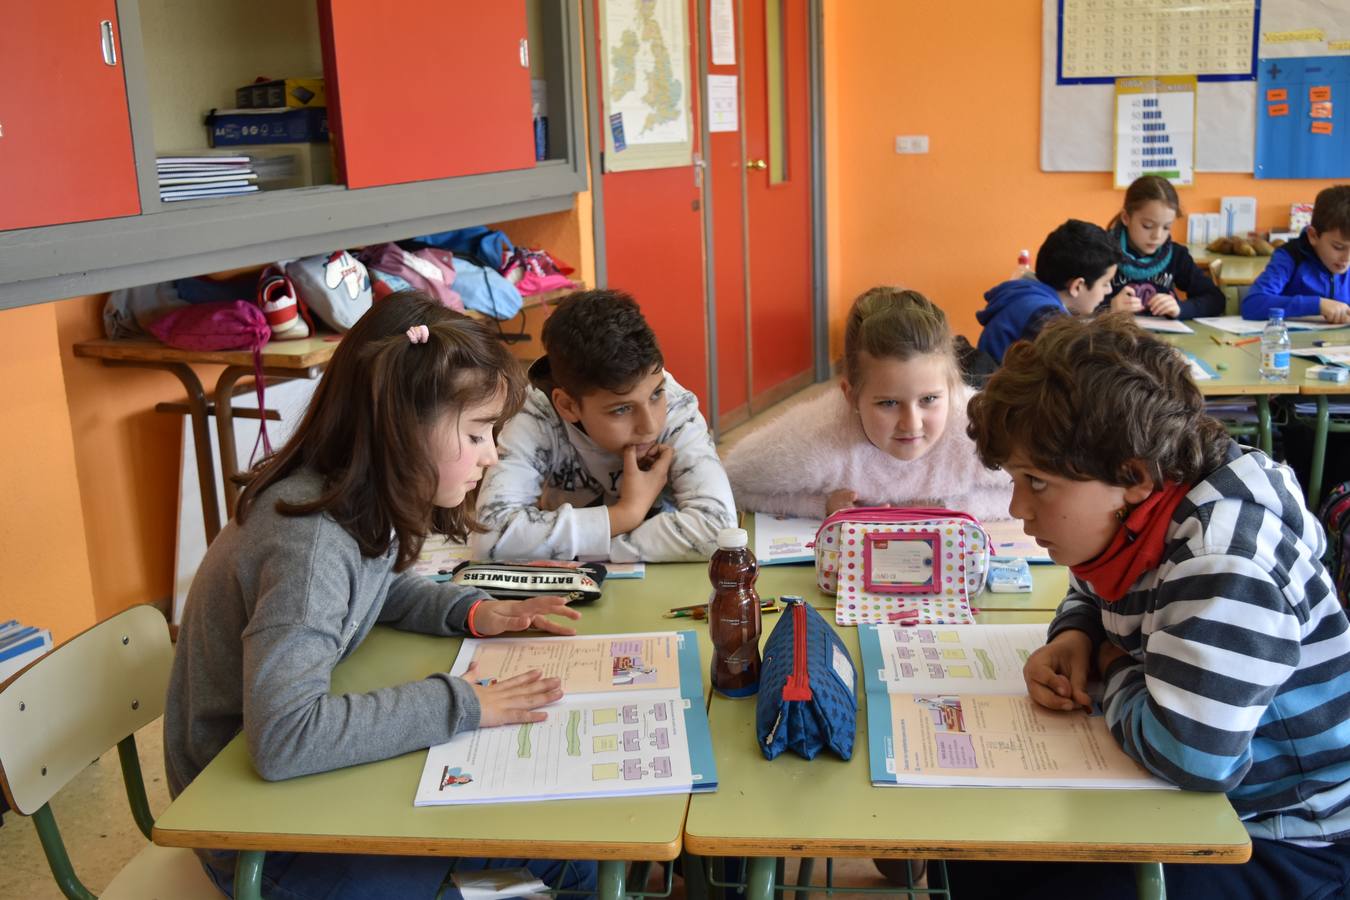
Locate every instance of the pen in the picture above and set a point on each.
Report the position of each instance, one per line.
(700, 611)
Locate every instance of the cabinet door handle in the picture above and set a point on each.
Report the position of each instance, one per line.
(109, 45)
(524, 53)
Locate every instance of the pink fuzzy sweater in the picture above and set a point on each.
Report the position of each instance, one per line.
(793, 462)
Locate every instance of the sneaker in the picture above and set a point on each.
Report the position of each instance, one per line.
(279, 303)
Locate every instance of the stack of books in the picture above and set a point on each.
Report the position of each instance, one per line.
(19, 645)
(199, 177)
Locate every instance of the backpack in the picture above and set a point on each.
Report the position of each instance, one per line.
(1334, 515)
(225, 325)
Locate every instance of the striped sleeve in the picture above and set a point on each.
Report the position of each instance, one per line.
(1077, 611)
(1223, 640)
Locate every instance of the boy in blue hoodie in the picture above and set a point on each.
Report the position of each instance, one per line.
(1074, 268)
(1308, 276)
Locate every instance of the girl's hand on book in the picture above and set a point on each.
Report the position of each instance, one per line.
(498, 616)
(1057, 674)
(514, 700)
(1126, 301)
(1164, 305)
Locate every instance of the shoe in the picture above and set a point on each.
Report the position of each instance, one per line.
(279, 303)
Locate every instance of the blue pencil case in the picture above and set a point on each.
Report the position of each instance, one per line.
(807, 687)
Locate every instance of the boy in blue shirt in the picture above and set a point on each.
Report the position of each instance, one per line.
(1074, 268)
(1308, 276)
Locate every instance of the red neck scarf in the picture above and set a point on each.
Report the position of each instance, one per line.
(1137, 546)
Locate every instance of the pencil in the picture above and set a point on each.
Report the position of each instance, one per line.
(1215, 339)
(1245, 341)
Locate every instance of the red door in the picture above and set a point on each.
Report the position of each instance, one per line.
(778, 196)
(654, 251)
(426, 89)
(726, 159)
(65, 139)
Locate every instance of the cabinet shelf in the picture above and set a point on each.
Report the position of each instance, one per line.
(175, 240)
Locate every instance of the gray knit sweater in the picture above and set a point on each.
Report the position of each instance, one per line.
(276, 604)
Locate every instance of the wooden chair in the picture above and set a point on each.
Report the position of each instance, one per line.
(72, 706)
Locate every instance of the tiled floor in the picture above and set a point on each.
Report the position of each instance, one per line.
(101, 836)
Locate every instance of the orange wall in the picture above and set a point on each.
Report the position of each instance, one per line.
(44, 573)
(127, 457)
(951, 223)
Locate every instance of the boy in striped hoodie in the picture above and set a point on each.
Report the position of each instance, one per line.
(1197, 596)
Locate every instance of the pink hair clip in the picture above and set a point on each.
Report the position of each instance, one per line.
(418, 334)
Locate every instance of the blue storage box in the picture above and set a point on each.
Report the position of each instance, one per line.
(231, 127)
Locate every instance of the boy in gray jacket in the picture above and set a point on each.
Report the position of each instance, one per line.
(609, 457)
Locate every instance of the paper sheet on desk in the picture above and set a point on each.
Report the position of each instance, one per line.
(1239, 325)
(784, 539)
(1163, 325)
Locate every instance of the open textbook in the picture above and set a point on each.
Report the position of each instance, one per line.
(784, 539)
(632, 721)
(947, 707)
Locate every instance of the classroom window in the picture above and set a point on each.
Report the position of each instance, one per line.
(775, 64)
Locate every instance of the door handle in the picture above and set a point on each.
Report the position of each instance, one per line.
(109, 45)
(756, 164)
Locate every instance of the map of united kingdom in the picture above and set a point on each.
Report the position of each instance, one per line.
(641, 60)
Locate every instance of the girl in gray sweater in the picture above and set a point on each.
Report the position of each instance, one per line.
(391, 449)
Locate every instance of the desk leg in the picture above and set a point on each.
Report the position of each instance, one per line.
(695, 876)
(611, 877)
(1319, 452)
(248, 868)
(759, 877)
(1148, 881)
(201, 437)
(1266, 438)
(225, 432)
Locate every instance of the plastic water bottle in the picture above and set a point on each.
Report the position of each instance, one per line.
(733, 615)
(1275, 348)
(1023, 269)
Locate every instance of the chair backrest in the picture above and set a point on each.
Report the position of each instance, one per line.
(80, 700)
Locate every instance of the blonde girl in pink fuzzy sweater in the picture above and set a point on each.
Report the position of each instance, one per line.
(894, 435)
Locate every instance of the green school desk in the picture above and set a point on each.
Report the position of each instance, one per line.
(1240, 375)
(1322, 392)
(369, 808)
(1237, 271)
(280, 359)
(827, 807)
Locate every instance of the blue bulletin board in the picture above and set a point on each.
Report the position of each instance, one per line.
(1303, 117)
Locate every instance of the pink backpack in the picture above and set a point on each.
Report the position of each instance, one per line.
(227, 325)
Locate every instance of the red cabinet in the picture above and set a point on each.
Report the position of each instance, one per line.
(65, 138)
(427, 89)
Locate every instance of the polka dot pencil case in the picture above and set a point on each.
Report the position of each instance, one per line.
(885, 563)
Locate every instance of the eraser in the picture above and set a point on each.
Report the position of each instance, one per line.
(1009, 575)
(1338, 374)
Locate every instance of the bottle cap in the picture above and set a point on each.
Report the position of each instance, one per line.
(732, 539)
(1277, 312)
